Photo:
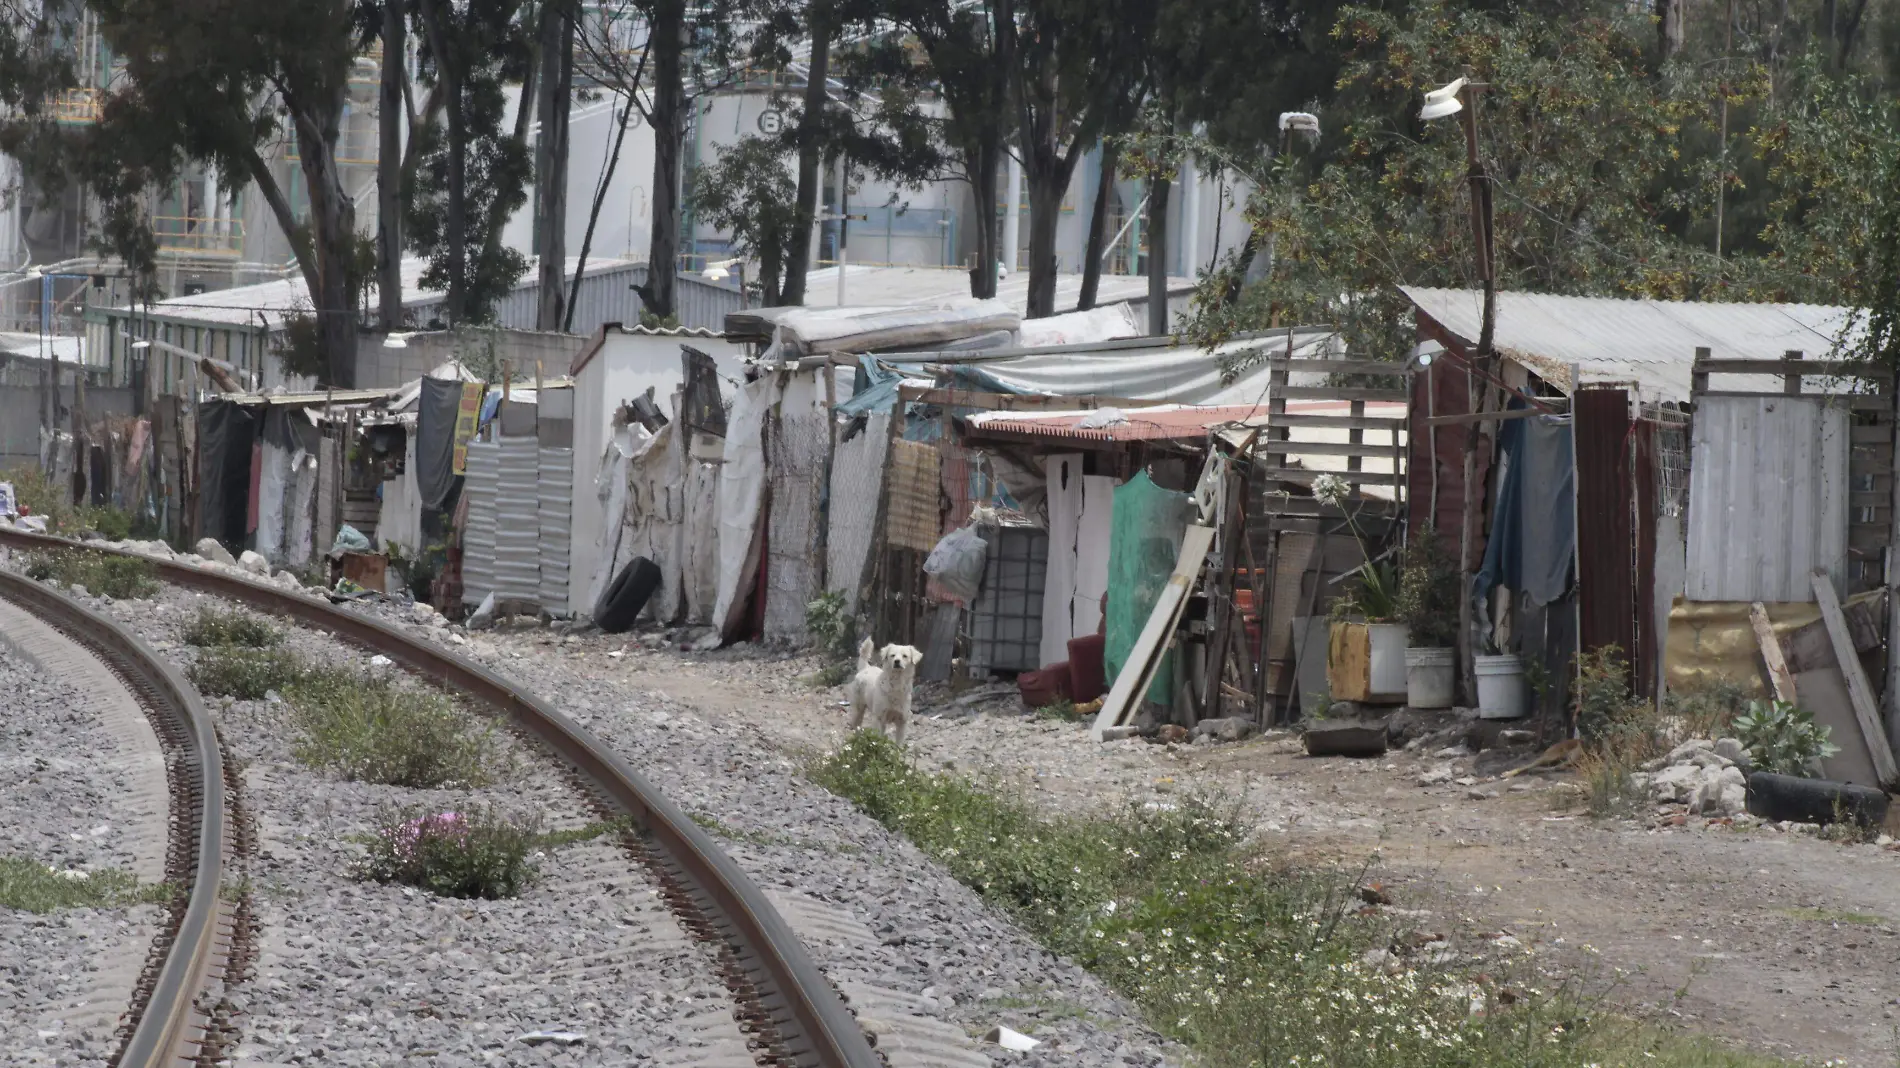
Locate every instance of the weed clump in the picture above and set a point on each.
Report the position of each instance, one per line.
(118, 577)
(366, 728)
(216, 628)
(244, 673)
(1248, 962)
(30, 886)
(474, 854)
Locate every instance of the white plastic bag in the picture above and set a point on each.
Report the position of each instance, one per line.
(957, 563)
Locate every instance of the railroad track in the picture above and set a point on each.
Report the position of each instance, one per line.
(783, 997)
(167, 1022)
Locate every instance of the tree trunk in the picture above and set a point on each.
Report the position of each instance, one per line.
(553, 99)
(593, 216)
(1669, 18)
(669, 136)
(985, 164)
(1098, 229)
(798, 250)
(389, 170)
(455, 226)
(332, 226)
(1046, 187)
(1158, 194)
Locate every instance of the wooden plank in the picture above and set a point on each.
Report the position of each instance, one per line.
(1284, 420)
(1807, 369)
(1866, 709)
(1482, 417)
(1323, 448)
(1876, 436)
(1304, 477)
(1143, 660)
(1791, 378)
(1869, 539)
(1778, 672)
(1342, 393)
(1335, 367)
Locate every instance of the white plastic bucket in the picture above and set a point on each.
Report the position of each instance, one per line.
(1429, 677)
(1501, 690)
(1386, 649)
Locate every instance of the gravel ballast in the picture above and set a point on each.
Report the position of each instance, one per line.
(81, 792)
(358, 973)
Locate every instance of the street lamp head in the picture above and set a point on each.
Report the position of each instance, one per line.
(719, 270)
(397, 341)
(1303, 121)
(1443, 101)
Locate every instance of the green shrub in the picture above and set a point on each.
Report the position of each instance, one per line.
(368, 729)
(30, 886)
(1707, 707)
(475, 854)
(109, 523)
(1246, 962)
(246, 674)
(1428, 592)
(103, 574)
(216, 627)
(832, 629)
(1783, 738)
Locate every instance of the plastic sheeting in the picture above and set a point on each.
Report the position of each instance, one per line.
(1109, 323)
(225, 435)
(433, 455)
(857, 479)
(741, 485)
(1148, 525)
(815, 331)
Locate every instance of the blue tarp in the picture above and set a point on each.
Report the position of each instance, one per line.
(1533, 532)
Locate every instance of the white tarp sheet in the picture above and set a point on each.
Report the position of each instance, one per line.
(399, 521)
(655, 517)
(1183, 374)
(1058, 589)
(1081, 327)
(273, 476)
(610, 488)
(299, 545)
(741, 482)
(795, 462)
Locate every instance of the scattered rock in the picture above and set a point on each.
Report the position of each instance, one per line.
(1171, 732)
(1437, 776)
(1375, 894)
(214, 552)
(254, 562)
(1516, 737)
(1229, 729)
(1479, 795)
(1116, 734)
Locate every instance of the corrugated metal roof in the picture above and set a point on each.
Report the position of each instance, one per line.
(1164, 422)
(1649, 342)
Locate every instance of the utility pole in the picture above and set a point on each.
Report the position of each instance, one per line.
(1461, 95)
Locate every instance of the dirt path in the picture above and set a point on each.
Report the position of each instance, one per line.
(1773, 940)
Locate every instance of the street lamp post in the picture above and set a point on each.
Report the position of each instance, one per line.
(1460, 97)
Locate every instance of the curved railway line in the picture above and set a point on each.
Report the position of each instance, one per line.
(799, 1020)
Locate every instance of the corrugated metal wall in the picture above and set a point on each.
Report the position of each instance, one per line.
(1767, 497)
(1605, 538)
(607, 296)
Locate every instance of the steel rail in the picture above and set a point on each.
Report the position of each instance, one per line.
(169, 1023)
(811, 1019)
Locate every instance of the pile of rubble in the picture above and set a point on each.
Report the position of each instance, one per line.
(1710, 777)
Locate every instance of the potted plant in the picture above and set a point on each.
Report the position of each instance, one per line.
(1369, 604)
(1427, 603)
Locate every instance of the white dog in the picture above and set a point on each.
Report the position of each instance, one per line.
(883, 688)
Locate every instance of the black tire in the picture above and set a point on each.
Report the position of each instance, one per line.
(1789, 797)
(620, 603)
(1346, 739)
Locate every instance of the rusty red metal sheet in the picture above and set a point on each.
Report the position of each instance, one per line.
(1605, 536)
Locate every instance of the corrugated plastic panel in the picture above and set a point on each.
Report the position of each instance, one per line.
(556, 526)
(1768, 494)
(478, 541)
(518, 521)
